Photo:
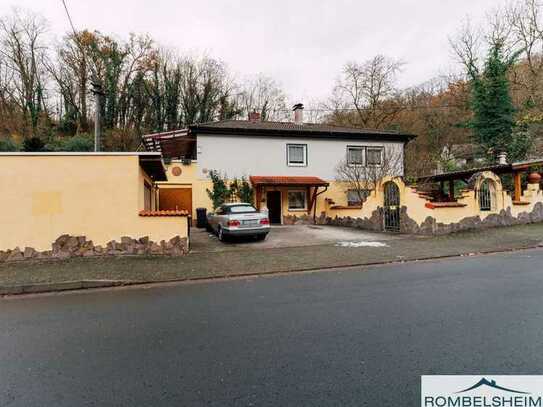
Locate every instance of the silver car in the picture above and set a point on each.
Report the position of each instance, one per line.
(238, 219)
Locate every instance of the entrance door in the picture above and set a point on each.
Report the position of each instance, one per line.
(273, 199)
(392, 207)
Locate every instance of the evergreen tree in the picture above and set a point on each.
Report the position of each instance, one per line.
(491, 103)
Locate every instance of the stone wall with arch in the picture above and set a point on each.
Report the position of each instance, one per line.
(419, 215)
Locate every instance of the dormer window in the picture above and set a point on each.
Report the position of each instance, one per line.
(297, 155)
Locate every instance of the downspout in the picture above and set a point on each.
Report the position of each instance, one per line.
(315, 203)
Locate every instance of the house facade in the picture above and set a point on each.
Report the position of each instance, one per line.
(293, 169)
(292, 166)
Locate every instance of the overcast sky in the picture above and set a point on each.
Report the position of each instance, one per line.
(301, 43)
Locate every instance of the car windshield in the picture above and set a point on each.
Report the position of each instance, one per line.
(242, 209)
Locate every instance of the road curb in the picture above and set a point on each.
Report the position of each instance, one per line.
(54, 287)
(17, 290)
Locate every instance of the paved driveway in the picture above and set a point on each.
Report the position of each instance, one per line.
(293, 236)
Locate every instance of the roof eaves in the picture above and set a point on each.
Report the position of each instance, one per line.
(301, 132)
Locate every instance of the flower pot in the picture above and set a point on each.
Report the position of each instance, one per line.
(534, 178)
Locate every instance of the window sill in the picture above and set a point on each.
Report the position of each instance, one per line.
(297, 210)
(521, 203)
(346, 207)
(436, 205)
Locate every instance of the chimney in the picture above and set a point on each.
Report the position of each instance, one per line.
(502, 158)
(254, 116)
(298, 113)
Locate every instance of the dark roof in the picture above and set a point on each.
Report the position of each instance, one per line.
(288, 129)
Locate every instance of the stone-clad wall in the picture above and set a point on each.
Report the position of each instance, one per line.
(67, 246)
(418, 215)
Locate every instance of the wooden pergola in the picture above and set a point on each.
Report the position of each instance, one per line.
(516, 169)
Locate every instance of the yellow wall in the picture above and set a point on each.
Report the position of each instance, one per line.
(189, 179)
(97, 196)
(337, 192)
(503, 201)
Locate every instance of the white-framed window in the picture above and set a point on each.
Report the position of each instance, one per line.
(297, 200)
(355, 155)
(297, 155)
(357, 198)
(374, 156)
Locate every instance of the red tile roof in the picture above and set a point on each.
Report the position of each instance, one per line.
(164, 213)
(290, 180)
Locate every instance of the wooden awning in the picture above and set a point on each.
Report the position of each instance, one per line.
(154, 167)
(495, 168)
(171, 144)
(466, 174)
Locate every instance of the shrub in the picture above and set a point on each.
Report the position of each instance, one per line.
(33, 144)
(7, 144)
(81, 142)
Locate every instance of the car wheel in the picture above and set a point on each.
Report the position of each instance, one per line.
(209, 228)
(220, 234)
(261, 237)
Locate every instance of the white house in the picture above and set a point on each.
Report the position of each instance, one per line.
(289, 163)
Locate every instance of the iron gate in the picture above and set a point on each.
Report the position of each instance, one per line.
(485, 200)
(392, 207)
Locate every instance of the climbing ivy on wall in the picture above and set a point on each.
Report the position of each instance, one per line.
(237, 190)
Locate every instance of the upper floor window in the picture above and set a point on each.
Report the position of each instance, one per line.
(374, 156)
(297, 155)
(355, 155)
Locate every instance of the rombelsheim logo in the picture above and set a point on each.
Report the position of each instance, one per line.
(482, 391)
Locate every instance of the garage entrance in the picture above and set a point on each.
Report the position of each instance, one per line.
(175, 199)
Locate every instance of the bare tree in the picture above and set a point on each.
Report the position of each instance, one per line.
(524, 18)
(364, 178)
(466, 47)
(23, 53)
(370, 90)
(205, 90)
(264, 95)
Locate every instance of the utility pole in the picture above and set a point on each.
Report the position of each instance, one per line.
(98, 93)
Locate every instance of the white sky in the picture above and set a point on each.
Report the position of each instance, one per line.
(301, 43)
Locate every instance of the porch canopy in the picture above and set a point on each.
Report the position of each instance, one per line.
(261, 181)
(516, 169)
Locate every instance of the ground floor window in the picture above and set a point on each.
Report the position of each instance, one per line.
(296, 200)
(357, 197)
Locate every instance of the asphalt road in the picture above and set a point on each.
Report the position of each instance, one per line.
(346, 338)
